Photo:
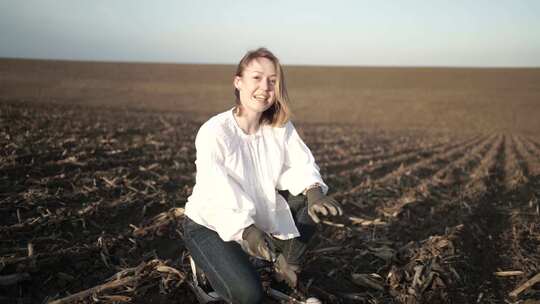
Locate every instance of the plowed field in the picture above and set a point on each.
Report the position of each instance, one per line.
(91, 200)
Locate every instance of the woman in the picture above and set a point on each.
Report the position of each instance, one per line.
(244, 156)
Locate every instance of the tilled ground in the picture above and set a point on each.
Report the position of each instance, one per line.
(91, 204)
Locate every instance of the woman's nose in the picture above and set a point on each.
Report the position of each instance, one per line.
(265, 85)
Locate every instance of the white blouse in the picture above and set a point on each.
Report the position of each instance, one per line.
(238, 176)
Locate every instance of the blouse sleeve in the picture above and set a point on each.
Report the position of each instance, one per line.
(233, 209)
(300, 170)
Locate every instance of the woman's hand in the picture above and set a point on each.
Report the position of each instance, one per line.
(318, 203)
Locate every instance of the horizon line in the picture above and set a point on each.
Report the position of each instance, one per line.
(284, 64)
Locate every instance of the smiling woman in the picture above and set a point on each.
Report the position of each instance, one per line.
(259, 77)
(256, 86)
(244, 157)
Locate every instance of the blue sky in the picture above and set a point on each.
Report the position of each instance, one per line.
(374, 33)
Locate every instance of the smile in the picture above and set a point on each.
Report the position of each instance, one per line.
(261, 97)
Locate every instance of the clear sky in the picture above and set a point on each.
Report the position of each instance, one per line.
(374, 33)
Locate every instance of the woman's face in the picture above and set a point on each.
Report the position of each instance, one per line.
(257, 85)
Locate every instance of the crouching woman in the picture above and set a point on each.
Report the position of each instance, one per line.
(258, 190)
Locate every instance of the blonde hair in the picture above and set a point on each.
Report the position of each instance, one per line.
(279, 113)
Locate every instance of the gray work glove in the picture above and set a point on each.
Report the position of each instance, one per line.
(257, 243)
(318, 203)
(286, 272)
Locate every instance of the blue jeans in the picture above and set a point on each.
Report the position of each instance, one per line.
(227, 266)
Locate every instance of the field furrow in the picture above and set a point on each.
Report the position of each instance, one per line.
(391, 170)
(449, 204)
(529, 162)
(354, 160)
(357, 178)
(531, 148)
(514, 170)
(442, 181)
(534, 141)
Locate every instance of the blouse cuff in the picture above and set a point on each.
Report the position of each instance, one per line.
(315, 185)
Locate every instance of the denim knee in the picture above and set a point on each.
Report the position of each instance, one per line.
(248, 294)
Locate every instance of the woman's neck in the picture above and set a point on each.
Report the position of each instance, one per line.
(248, 121)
